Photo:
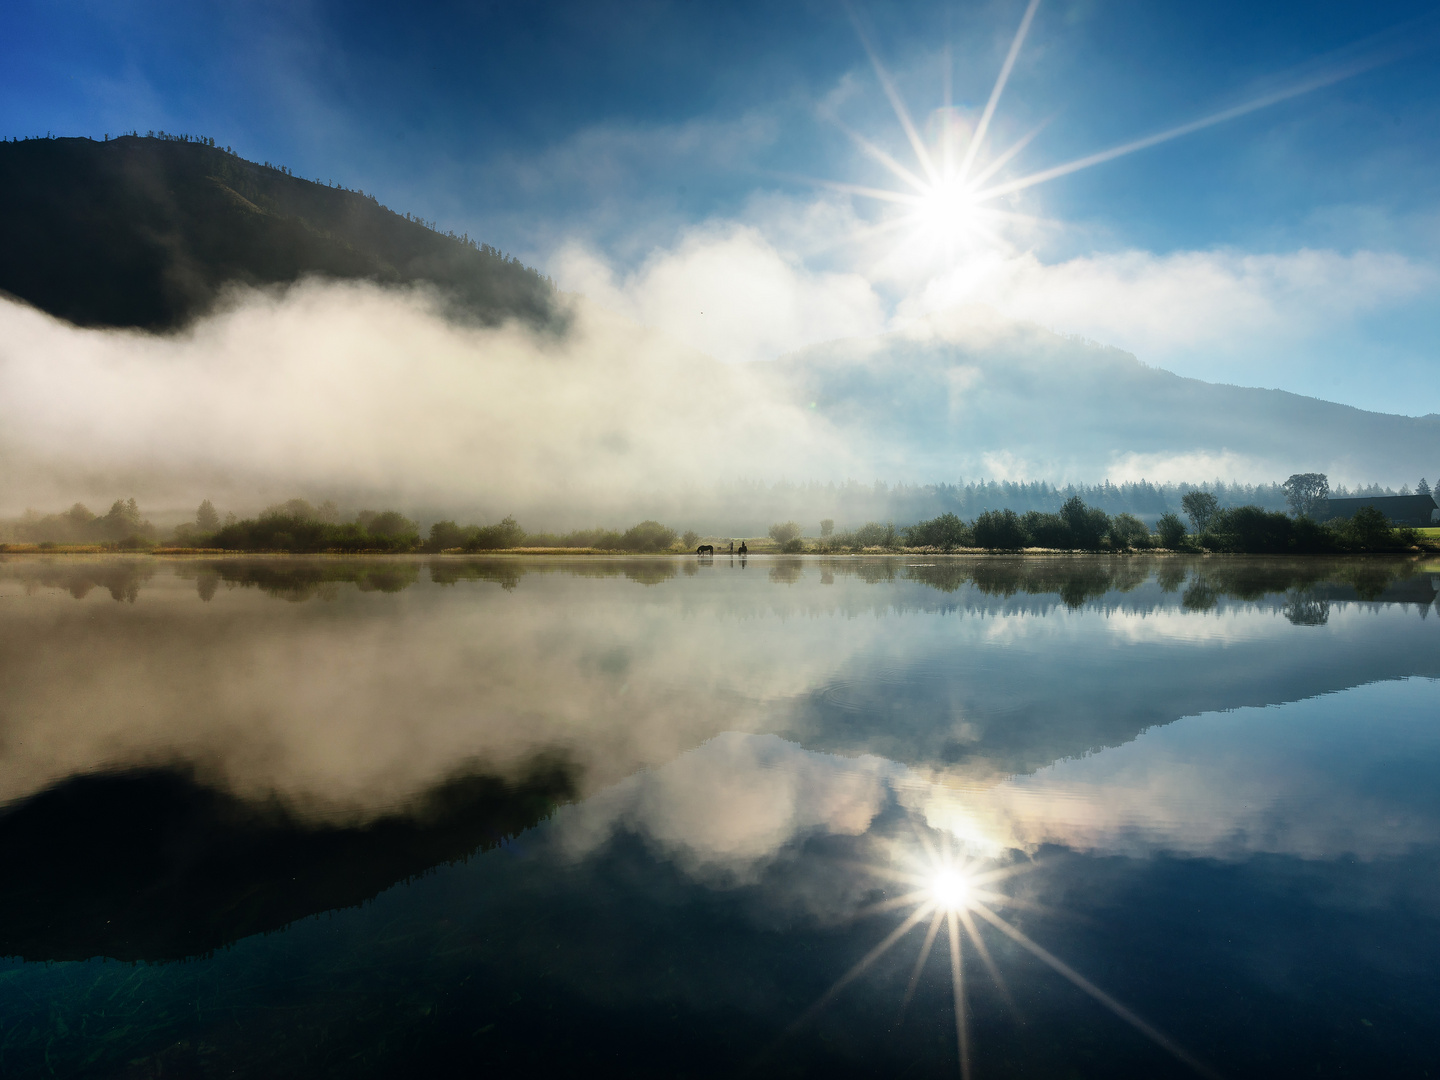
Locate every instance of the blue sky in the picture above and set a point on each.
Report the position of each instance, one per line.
(649, 154)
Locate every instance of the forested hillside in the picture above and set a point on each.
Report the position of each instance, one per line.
(145, 231)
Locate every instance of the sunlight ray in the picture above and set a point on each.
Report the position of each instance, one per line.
(863, 963)
(1015, 148)
(1060, 967)
(984, 126)
(878, 154)
(901, 112)
(985, 958)
(957, 986)
(861, 189)
(1148, 141)
(947, 141)
(925, 948)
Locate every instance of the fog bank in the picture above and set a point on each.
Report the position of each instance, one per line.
(366, 394)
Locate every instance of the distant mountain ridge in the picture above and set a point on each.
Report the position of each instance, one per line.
(968, 393)
(146, 232)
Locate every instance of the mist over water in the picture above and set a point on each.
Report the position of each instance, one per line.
(361, 393)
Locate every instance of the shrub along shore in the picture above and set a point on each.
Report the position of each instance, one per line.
(298, 528)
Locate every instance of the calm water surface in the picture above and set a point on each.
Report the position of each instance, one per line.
(924, 817)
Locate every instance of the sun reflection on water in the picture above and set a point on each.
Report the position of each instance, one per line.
(958, 891)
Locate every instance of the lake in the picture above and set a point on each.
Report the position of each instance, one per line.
(892, 816)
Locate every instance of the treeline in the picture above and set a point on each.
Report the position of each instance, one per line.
(121, 526)
(1078, 527)
(296, 526)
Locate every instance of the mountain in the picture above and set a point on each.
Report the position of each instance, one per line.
(146, 232)
(968, 393)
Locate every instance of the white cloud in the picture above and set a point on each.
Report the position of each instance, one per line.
(727, 291)
(727, 808)
(1157, 306)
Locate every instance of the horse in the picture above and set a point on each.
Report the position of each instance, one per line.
(705, 549)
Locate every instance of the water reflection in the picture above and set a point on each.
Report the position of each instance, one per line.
(715, 805)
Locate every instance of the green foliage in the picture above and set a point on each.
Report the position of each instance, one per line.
(121, 524)
(506, 534)
(387, 523)
(827, 526)
(690, 539)
(1368, 530)
(206, 519)
(946, 532)
(1307, 493)
(1088, 525)
(1000, 530)
(1128, 531)
(874, 534)
(1047, 530)
(447, 536)
(648, 536)
(1250, 530)
(1200, 507)
(783, 532)
(793, 546)
(279, 530)
(1171, 531)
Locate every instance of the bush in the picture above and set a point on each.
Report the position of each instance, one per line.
(783, 533)
(446, 535)
(387, 523)
(1047, 530)
(1088, 525)
(285, 532)
(506, 534)
(648, 536)
(874, 534)
(1249, 529)
(946, 532)
(1128, 531)
(1171, 531)
(1368, 530)
(793, 546)
(690, 539)
(1000, 530)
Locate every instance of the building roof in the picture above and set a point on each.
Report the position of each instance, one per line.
(1394, 506)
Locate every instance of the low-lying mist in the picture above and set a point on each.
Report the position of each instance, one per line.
(369, 396)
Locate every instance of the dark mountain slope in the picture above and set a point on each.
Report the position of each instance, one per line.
(153, 865)
(145, 232)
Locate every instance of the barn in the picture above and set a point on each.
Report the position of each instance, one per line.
(1418, 510)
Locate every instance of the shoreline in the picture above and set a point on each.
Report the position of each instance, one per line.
(591, 553)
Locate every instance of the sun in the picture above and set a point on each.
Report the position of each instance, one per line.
(956, 893)
(955, 194)
(949, 889)
(948, 210)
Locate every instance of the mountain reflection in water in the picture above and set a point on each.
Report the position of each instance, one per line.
(652, 801)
